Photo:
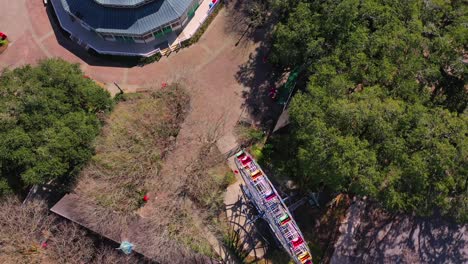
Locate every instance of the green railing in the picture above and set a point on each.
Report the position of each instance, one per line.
(286, 90)
(191, 12)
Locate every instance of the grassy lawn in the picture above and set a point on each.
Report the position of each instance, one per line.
(131, 147)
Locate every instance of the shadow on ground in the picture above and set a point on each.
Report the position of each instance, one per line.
(259, 77)
(250, 238)
(372, 235)
(90, 57)
(256, 75)
(238, 24)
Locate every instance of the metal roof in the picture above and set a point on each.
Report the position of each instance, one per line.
(122, 3)
(132, 21)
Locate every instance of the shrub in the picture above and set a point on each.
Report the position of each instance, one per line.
(247, 134)
(148, 60)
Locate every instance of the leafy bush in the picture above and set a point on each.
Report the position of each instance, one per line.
(48, 119)
(233, 243)
(247, 134)
(153, 58)
(257, 152)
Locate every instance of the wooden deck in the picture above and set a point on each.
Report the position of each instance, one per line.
(82, 212)
(118, 228)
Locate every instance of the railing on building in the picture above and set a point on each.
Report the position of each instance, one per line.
(171, 46)
(200, 23)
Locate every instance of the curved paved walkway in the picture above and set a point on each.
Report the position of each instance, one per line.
(33, 37)
(209, 68)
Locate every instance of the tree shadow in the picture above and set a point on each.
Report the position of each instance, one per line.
(259, 78)
(247, 237)
(256, 75)
(238, 23)
(382, 237)
(90, 57)
(252, 235)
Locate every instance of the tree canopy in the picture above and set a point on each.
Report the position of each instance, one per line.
(48, 120)
(384, 111)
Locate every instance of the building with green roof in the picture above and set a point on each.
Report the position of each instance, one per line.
(99, 23)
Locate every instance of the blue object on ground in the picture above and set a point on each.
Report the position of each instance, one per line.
(126, 247)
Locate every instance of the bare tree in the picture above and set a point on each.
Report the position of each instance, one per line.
(30, 234)
(22, 228)
(69, 244)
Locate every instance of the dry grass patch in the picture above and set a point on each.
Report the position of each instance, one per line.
(204, 188)
(129, 156)
(186, 227)
(137, 136)
(24, 229)
(209, 190)
(208, 180)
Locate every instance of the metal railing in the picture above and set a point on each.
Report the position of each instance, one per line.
(271, 207)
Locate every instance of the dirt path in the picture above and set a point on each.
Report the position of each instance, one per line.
(216, 104)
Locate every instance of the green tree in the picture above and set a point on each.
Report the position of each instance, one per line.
(48, 119)
(384, 111)
(298, 39)
(409, 156)
(413, 48)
